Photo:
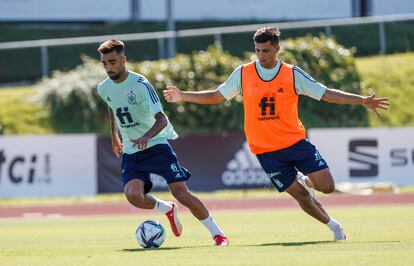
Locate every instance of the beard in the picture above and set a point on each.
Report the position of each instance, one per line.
(115, 77)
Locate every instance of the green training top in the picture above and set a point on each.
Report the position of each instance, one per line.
(134, 103)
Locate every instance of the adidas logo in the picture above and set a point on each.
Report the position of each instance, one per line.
(321, 163)
(178, 175)
(244, 169)
(280, 90)
(108, 99)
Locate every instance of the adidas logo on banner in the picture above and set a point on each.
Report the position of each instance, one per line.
(244, 169)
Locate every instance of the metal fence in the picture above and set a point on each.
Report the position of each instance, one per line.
(217, 32)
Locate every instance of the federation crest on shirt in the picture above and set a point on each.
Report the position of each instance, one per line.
(132, 98)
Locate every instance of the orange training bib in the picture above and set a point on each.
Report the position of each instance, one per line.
(271, 119)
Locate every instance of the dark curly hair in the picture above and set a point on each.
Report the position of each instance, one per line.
(111, 45)
(265, 34)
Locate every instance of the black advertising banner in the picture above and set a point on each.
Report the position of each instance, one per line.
(215, 161)
(109, 167)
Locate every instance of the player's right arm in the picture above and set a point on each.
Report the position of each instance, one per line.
(228, 90)
(117, 145)
(174, 94)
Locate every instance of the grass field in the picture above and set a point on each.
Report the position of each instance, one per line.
(378, 236)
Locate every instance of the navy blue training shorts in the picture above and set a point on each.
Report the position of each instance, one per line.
(159, 159)
(281, 166)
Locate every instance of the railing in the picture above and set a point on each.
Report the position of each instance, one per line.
(217, 32)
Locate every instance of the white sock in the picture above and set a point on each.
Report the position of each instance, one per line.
(333, 224)
(211, 225)
(162, 206)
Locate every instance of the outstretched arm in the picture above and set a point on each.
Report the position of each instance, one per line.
(370, 102)
(173, 94)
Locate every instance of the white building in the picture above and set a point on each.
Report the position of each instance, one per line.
(185, 10)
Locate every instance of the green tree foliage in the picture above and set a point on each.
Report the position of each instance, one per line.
(72, 100)
(197, 72)
(75, 106)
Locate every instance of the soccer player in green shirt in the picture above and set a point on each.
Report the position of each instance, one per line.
(136, 113)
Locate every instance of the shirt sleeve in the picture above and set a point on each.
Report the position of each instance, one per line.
(306, 85)
(152, 99)
(99, 90)
(232, 86)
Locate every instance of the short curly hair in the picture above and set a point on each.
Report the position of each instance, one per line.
(266, 34)
(111, 45)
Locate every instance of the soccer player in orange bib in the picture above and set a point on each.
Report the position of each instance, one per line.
(270, 90)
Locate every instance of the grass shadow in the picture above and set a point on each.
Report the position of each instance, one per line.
(146, 249)
(293, 244)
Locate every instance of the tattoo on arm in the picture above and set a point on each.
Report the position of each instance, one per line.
(112, 123)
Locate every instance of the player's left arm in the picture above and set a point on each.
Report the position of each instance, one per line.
(153, 105)
(370, 102)
(160, 123)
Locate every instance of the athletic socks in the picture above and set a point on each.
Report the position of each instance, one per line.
(333, 225)
(337, 230)
(162, 206)
(211, 225)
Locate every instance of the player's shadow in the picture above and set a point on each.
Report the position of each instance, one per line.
(293, 244)
(145, 249)
(160, 249)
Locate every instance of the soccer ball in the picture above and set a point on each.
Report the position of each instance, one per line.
(150, 234)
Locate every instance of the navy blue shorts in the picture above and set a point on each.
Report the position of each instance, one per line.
(159, 159)
(281, 166)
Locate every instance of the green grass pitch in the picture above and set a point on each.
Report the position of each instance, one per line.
(378, 236)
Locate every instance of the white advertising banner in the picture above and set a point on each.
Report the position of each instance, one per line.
(48, 165)
(367, 154)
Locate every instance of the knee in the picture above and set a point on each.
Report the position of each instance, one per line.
(134, 197)
(183, 196)
(328, 188)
